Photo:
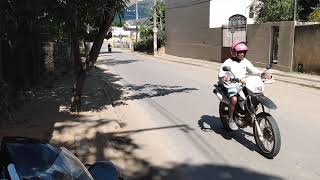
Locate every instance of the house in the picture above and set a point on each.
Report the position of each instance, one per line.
(122, 37)
(194, 27)
(205, 29)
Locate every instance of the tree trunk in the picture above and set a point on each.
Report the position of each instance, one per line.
(1, 66)
(76, 52)
(161, 25)
(90, 60)
(36, 48)
(23, 62)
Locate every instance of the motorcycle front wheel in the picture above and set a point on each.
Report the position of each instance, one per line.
(270, 143)
(224, 114)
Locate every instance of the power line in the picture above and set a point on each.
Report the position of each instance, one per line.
(189, 4)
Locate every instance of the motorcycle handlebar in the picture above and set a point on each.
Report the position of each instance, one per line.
(235, 79)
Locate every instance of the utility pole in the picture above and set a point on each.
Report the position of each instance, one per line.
(293, 32)
(137, 18)
(295, 11)
(155, 29)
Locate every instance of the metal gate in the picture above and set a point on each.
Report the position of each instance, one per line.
(235, 31)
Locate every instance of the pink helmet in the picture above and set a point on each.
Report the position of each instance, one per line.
(238, 46)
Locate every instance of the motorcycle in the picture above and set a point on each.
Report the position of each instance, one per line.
(250, 98)
(30, 159)
(109, 48)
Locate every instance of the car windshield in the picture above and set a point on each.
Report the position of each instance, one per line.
(66, 166)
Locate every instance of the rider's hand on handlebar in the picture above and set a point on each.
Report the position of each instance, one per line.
(266, 75)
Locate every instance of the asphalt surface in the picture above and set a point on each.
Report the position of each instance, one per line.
(175, 114)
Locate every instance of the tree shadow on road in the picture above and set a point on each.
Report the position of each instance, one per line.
(118, 94)
(150, 91)
(50, 104)
(120, 148)
(215, 125)
(205, 171)
(114, 62)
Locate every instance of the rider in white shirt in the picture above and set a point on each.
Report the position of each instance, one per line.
(240, 67)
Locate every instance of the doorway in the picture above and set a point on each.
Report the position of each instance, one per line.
(274, 53)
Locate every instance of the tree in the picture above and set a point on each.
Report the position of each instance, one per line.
(282, 10)
(118, 23)
(99, 14)
(315, 15)
(273, 10)
(23, 22)
(306, 7)
(146, 29)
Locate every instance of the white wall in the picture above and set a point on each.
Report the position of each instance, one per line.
(116, 31)
(221, 10)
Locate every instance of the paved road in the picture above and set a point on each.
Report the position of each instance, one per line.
(169, 102)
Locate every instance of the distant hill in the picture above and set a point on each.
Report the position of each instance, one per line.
(144, 10)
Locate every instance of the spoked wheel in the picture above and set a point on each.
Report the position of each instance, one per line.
(270, 142)
(224, 114)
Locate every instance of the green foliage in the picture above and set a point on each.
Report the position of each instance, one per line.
(282, 10)
(306, 7)
(146, 45)
(275, 11)
(145, 31)
(161, 38)
(56, 17)
(118, 22)
(315, 15)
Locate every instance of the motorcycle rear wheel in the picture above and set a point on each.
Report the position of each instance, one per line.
(271, 144)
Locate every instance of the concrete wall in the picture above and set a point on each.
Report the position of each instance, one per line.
(188, 33)
(259, 42)
(307, 46)
(258, 39)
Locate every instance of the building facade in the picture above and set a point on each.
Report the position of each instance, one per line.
(205, 30)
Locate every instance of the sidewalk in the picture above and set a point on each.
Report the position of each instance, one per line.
(305, 80)
(47, 117)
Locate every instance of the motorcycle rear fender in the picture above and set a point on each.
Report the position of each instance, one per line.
(264, 101)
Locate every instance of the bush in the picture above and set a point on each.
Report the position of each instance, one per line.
(161, 38)
(146, 45)
(315, 15)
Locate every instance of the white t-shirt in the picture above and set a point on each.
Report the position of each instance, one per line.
(239, 69)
